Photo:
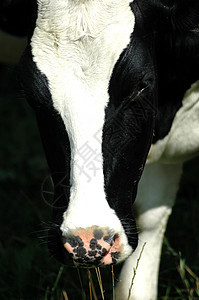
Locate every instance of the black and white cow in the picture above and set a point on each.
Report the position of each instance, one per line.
(110, 80)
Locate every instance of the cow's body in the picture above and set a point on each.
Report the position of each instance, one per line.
(94, 72)
(160, 180)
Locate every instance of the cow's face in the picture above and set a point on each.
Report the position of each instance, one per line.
(91, 83)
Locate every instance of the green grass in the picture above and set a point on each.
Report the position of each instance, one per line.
(26, 269)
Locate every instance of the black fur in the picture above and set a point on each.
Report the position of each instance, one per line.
(55, 141)
(176, 40)
(129, 122)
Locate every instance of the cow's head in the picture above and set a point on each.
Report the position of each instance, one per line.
(89, 75)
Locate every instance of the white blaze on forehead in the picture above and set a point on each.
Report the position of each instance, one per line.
(76, 44)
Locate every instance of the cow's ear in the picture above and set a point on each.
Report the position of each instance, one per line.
(183, 14)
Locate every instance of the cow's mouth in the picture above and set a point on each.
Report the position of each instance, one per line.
(92, 248)
(87, 248)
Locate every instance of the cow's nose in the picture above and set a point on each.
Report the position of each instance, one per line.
(93, 246)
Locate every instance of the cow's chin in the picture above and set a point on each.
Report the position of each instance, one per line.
(90, 247)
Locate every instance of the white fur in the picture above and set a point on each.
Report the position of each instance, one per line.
(155, 198)
(76, 44)
(182, 141)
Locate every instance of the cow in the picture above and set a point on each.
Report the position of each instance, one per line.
(115, 89)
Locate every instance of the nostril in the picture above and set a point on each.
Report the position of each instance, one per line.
(116, 239)
(108, 239)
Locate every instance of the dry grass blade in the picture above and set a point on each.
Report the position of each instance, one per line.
(82, 289)
(113, 282)
(193, 275)
(91, 286)
(65, 295)
(100, 281)
(134, 270)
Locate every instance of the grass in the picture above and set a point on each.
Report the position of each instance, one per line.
(188, 281)
(26, 269)
(134, 271)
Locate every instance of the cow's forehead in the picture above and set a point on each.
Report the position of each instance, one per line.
(78, 57)
(84, 38)
(74, 19)
(77, 53)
